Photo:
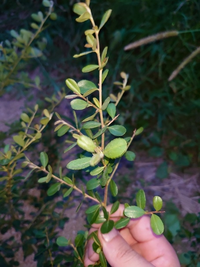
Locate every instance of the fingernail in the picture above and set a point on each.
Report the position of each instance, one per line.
(109, 236)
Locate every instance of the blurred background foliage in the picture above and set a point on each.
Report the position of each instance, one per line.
(169, 111)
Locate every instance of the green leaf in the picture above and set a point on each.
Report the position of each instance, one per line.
(67, 180)
(157, 203)
(18, 140)
(96, 101)
(42, 180)
(79, 240)
(82, 54)
(105, 103)
(104, 54)
(104, 75)
(157, 224)
(25, 117)
(44, 159)
(116, 148)
(53, 16)
(96, 171)
(46, 3)
(122, 223)
(79, 164)
(139, 131)
(62, 241)
(117, 130)
(133, 212)
(91, 125)
(92, 183)
(113, 188)
(89, 68)
(34, 26)
(156, 151)
(107, 226)
(89, 92)
(141, 199)
(115, 207)
(129, 155)
(68, 192)
(86, 85)
(78, 104)
(63, 130)
(53, 189)
(84, 17)
(100, 132)
(105, 18)
(102, 259)
(92, 209)
(44, 121)
(79, 9)
(91, 217)
(72, 85)
(111, 109)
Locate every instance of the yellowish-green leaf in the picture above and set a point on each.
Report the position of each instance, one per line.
(117, 130)
(105, 103)
(157, 203)
(72, 85)
(105, 18)
(79, 9)
(44, 159)
(18, 140)
(79, 164)
(25, 117)
(116, 148)
(96, 101)
(111, 109)
(89, 68)
(104, 75)
(83, 54)
(78, 104)
(139, 131)
(133, 212)
(85, 16)
(156, 224)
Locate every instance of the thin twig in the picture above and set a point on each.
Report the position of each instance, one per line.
(151, 39)
(184, 63)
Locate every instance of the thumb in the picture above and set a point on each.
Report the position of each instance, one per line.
(118, 253)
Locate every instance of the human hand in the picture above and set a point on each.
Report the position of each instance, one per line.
(135, 245)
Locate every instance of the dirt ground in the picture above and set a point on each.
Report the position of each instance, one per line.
(181, 188)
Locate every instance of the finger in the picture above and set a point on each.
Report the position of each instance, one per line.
(118, 253)
(90, 257)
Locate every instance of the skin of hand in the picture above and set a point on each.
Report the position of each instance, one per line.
(134, 245)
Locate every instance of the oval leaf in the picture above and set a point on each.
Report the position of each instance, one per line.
(113, 188)
(141, 199)
(92, 209)
(25, 117)
(91, 125)
(18, 140)
(92, 184)
(86, 85)
(111, 109)
(157, 203)
(105, 18)
(89, 68)
(62, 241)
(107, 226)
(53, 189)
(44, 159)
(133, 212)
(139, 131)
(157, 224)
(129, 155)
(116, 148)
(117, 130)
(72, 85)
(96, 171)
(79, 164)
(68, 192)
(115, 207)
(78, 104)
(122, 223)
(63, 130)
